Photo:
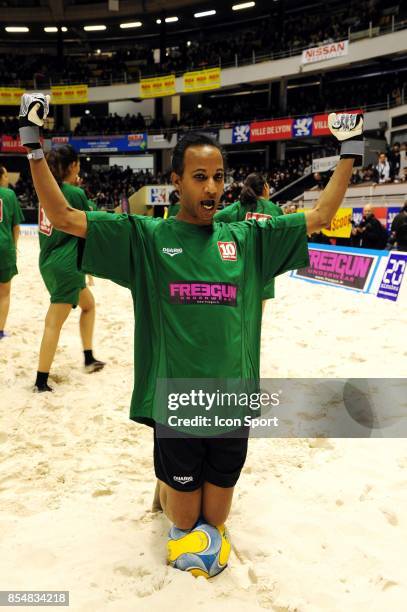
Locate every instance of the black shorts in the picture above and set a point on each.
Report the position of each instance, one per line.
(185, 463)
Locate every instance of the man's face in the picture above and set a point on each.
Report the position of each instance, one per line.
(368, 212)
(382, 158)
(201, 185)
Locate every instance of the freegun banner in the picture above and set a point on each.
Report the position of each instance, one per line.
(11, 96)
(69, 94)
(202, 80)
(158, 86)
(364, 270)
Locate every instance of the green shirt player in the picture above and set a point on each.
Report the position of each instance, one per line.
(255, 204)
(199, 286)
(10, 219)
(59, 270)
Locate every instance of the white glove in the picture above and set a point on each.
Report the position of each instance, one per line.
(348, 129)
(34, 109)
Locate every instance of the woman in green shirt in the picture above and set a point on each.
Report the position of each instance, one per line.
(59, 270)
(254, 203)
(10, 219)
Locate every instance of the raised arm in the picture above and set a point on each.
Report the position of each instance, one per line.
(33, 111)
(347, 128)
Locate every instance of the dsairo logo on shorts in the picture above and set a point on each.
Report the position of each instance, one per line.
(228, 251)
(183, 479)
(171, 252)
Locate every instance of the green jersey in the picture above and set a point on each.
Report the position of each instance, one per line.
(198, 308)
(58, 252)
(264, 210)
(10, 215)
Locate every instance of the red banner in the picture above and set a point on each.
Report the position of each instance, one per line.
(278, 129)
(9, 144)
(320, 125)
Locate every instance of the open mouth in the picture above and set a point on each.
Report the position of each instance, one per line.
(208, 205)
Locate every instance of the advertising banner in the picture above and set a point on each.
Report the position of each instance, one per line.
(393, 276)
(202, 80)
(9, 144)
(392, 211)
(302, 126)
(320, 125)
(106, 144)
(324, 52)
(324, 164)
(10, 96)
(340, 226)
(69, 94)
(158, 86)
(277, 129)
(241, 134)
(340, 266)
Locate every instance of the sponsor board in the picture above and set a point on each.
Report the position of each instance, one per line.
(325, 52)
(11, 96)
(277, 129)
(9, 144)
(158, 86)
(302, 126)
(340, 266)
(393, 276)
(202, 80)
(69, 94)
(341, 224)
(241, 133)
(104, 144)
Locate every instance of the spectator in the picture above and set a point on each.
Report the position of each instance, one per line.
(394, 159)
(369, 233)
(399, 229)
(382, 169)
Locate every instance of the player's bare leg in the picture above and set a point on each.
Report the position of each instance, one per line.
(86, 326)
(5, 289)
(56, 316)
(216, 503)
(183, 509)
(156, 505)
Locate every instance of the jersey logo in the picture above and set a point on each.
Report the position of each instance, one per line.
(1, 210)
(44, 224)
(203, 293)
(183, 479)
(256, 216)
(171, 251)
(228, 251)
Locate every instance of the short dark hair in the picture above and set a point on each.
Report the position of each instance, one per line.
(59, 161)
(193, 139)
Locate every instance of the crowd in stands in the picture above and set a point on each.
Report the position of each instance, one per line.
(108, 186)
(270, 36)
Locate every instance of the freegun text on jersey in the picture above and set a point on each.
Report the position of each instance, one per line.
(198, 292)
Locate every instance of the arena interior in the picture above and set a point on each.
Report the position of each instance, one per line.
(319, 523)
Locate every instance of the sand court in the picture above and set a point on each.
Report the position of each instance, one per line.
(316, 525)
